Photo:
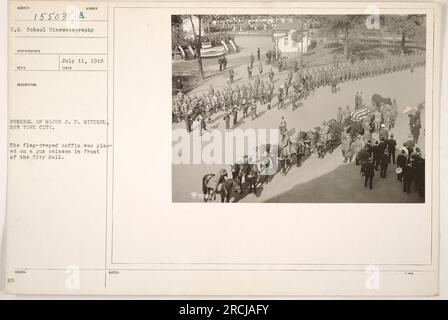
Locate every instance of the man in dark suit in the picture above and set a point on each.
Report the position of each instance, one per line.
(369, 147)
(408, 176)
(402, 161)
(385, 159)
(391, 146)
(369, 172)
(419, 175)
(376, 153)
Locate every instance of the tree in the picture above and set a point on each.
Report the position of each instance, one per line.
(345, 24)
(177, 34)
(198, 40)
(406, 26)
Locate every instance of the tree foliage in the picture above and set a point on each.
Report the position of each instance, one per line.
(408, 26)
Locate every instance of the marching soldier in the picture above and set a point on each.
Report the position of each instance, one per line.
(235, 116)
(271, 76)
(227, 120)
(253, 109)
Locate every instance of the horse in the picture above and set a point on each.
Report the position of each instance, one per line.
(297, 149)
(377, 100)
(227, 188)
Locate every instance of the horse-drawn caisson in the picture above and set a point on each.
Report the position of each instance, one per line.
(270, 159)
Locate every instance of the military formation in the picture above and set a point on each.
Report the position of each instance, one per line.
(272, 90)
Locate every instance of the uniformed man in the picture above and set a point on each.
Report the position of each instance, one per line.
(227, 120)
(224, 62)
(249, 72)
(283, 126)
(280, 97)
(340, 115)
(253, 109)
(271, 76)
(235, 116)
(220, 63)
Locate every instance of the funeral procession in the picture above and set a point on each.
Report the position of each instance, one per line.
(298, 108)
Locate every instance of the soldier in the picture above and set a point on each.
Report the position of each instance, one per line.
(220, 63)
(224, 62)
(257, 82)
(280, 97)
(286, 86)
(294, 99)
(179, 85)
(345, 146)
(249, 72)
(260, 68)
(258, 53)
(227, 120)
(269, 56)
(334, 83)
(377, 120)
(253, 109)
(188, 122)
(347, 113)
(340, 115)
(269, 93)
(296, 65)
(289, 78)
(271, 76)
(394, 114)
(235, 116)
(245, 107)
(357, 102)
(283, 126)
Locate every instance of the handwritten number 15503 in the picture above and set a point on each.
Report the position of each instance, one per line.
(50, 16)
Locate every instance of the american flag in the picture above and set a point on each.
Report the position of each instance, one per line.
(360, 114)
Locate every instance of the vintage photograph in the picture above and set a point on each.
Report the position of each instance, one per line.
(298, 108)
